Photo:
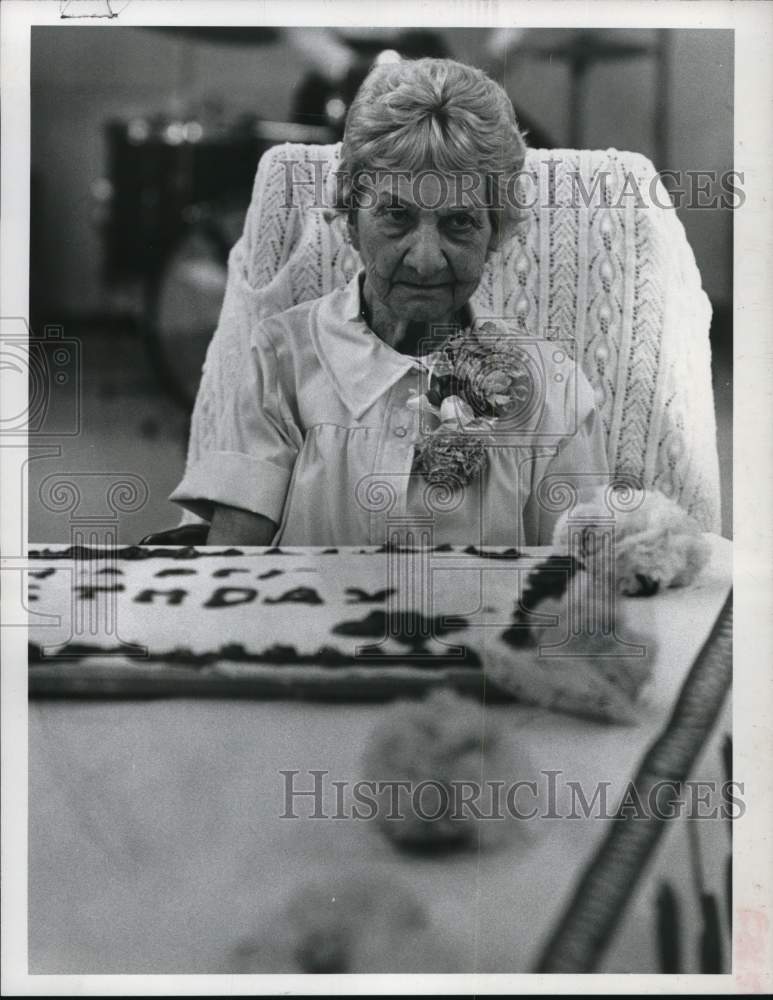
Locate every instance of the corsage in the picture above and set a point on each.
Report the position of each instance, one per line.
(478, 379)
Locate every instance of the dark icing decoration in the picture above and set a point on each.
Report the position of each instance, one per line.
(141, 552)
(518, 636)
(75, 651)
(359, 596)
(473, 550)
(220, 598)
(86, 591)
(34, 654)
(299, 595)
(647, 586)
(391, 546)
(278, 654)
(408, 627)
(173, 597)
(129, 552)
(548, 579)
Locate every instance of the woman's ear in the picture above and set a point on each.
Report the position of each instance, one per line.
(496, 237)
(503, 227)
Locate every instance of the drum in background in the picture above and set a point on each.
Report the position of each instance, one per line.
(184, 303)
(159, 166)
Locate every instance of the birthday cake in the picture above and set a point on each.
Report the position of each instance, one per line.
(373, 623)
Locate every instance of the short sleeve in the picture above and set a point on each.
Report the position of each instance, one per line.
(255, 445)
(579, 460)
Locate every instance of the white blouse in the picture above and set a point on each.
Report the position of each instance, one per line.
(318, 436)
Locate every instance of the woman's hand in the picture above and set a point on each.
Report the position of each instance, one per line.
(233, 526)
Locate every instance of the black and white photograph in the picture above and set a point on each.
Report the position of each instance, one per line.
(371, 538)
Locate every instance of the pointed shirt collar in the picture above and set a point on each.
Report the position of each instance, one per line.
(361, 367)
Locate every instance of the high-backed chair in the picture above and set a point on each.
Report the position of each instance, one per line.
(600, 257)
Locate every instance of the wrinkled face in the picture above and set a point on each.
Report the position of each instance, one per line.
(423, 245)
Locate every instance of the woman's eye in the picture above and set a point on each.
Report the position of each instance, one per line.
(462, 222)
(396, 214)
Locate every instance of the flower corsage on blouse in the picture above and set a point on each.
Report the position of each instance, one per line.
(480, 378)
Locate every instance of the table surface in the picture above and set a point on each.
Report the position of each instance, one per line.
(157, 844)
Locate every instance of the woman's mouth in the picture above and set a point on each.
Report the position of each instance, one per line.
(425, 286)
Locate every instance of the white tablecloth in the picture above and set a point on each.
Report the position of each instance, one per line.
(157, 843)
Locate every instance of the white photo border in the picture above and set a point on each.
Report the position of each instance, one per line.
(753, 465)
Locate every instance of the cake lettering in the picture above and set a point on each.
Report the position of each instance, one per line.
(173, 597)
(86, 592)
(228, 597)
(222, 597)
(359, 596)
(299, 595)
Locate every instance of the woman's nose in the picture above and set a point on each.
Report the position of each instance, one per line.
(425, 256)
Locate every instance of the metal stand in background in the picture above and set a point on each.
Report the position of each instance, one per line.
(584, 49)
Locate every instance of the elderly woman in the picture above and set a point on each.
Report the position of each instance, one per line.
(389, 397)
